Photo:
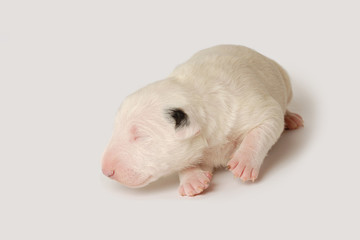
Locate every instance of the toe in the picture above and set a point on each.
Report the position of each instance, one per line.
(238, 171)
(299, 121)
(246, 174)
(189, 190)
(181, 190)
(198, 189)
(299, 117)
(205, 178)
(209, 175)
(232, 164)
(197, 186)
(254, 174)
(290, 124)
(293, 120)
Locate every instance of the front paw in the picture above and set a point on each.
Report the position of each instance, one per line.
(194, 182)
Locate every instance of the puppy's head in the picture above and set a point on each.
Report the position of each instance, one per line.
(157, 132)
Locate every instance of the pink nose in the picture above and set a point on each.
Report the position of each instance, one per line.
(108, 173)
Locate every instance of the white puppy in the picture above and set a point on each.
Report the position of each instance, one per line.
(223, 107)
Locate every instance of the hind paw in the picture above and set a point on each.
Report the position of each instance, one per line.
(293, 121)
(244, 169)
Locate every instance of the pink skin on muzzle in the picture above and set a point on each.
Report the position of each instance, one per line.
(115, 168)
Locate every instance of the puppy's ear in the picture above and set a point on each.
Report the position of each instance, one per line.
(185, 125)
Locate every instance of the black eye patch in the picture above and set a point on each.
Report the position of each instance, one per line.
(179, 116)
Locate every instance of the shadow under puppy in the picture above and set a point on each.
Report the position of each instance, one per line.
(225, 106)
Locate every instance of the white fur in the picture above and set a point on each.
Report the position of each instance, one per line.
(226, 91)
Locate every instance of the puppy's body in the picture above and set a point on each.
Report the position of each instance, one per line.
(225, 106)
(233, 88)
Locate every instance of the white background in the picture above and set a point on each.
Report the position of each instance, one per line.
(65, 67)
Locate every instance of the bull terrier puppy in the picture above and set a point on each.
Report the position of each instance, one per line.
(225, 107)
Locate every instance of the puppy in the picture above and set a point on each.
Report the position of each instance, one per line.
(225, 107)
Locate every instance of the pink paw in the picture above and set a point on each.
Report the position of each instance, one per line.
(244, 169)
(194, 182)
(293, 121)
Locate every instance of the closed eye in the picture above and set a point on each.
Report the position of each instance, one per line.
(136, 134)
